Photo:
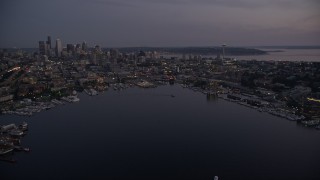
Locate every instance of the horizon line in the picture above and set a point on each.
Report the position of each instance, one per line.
(186, 46)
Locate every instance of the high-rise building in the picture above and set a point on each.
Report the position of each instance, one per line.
(84, 46)
(70, 48)
(49, 42)
(78, 46)
(42, 48)
(58, 47)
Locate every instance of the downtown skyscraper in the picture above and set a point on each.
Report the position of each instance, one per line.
(45, 47)
(58, 47)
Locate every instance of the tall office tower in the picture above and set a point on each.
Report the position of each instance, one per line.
(78, 46)
(42, 48)
(58, 47)
(49, 42)
(84, 46)
(70, 48)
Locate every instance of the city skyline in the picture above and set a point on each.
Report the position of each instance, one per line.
(161, 23)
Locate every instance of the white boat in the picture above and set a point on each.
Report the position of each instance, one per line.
(93, 92)
(6, 150)
(23, 126)
(66, 99)
(88, 92)
(16, 132)
(6, 128)
(73, 98)
(55, 101)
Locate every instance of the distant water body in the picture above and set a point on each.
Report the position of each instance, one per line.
(306, 55)
(309, 55)
(148, 134)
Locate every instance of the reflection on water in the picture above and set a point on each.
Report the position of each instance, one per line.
(212, 97)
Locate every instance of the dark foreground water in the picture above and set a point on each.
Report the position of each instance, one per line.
(147, 134)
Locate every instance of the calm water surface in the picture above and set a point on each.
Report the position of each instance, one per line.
(306, 55)
(309, 55)
(147, 134)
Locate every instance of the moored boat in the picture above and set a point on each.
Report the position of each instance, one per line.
(6, 150)
(16, 132)
(23, 126)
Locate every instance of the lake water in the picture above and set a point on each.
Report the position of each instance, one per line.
(147, 134)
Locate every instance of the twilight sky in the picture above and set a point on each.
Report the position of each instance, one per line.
(118, 23)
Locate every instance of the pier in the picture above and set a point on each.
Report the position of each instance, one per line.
(10, 141)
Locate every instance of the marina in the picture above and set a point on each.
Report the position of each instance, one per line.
(252, 102)
(31, 107)
(10, 140)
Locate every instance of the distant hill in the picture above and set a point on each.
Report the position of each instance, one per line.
(197, 50)
(236, 51)
(287, 47)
